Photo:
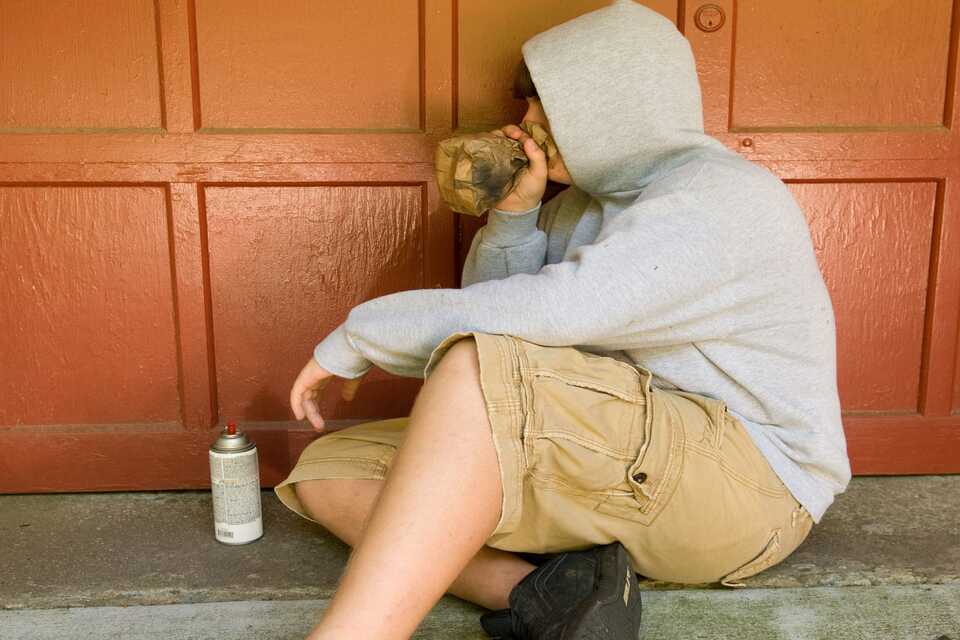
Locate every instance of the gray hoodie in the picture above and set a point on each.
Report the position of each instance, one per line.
(669, 251)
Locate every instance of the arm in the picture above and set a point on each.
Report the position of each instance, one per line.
(509, 243)
(652, 277)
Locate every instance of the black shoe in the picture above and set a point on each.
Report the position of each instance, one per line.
(578, 595)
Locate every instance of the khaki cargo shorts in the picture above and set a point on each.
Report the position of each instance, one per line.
(589, 452)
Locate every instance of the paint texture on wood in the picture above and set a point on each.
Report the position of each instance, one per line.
(156, 281)
(956, 385)
(489, 38)
(827, 64)
(286, 266)
(873, 245)
(303, 64)
(87, 306)
(67, 64)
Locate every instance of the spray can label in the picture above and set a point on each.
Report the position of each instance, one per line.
(235, 484)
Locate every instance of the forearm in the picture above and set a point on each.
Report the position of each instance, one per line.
(509, 243)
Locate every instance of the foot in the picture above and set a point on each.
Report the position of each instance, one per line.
(577, 595)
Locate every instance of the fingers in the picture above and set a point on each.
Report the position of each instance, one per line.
(513, 131)
(303, 394)
(296, 398)
(313, 412)
(538, 159)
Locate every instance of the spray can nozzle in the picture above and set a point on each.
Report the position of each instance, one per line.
(232, 428)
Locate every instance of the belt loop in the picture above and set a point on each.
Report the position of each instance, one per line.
(643, 383)
(793, 516)
(721, 421)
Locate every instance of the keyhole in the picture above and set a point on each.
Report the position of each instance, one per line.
(709, 17)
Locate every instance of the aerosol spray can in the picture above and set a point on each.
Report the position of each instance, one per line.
(235, 483)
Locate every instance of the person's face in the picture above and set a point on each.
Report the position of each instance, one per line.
(558, 172)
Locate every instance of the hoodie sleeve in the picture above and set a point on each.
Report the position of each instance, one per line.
(509, 243)
(654, 276)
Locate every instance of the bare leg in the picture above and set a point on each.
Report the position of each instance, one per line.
(344, 506)
(440, 502)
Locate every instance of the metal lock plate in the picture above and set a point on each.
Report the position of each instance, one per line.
(709, 17)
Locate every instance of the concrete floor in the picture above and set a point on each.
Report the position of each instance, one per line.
(884, 563)
(807, 613)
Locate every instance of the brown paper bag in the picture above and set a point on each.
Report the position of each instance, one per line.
(475, 171)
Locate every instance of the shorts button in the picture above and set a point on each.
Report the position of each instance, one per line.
(640, 477)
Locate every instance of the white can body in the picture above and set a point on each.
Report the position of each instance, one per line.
(235, 483)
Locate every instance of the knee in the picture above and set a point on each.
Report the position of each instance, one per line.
(324, 500)
(308, 493)
(462, 355)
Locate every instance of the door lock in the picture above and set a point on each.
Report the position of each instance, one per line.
(709, 17)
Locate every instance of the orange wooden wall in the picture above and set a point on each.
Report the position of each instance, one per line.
(194, 192)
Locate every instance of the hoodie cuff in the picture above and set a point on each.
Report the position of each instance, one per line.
(509, 228)
(336, 354)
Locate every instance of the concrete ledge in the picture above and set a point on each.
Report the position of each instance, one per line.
(286, 620)
(145, 548)
(839, 613)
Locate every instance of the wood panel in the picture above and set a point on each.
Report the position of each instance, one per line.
(165, 457)
(79, 64)
(229, 126)
(489, 36)
(830, 65)
(877, 105)
(717, 54)
(87, 315)
(303, 64)
(956, 388)
(873, 242)
(956, 379)
(287, 263)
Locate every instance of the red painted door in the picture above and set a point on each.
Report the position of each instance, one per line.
(194, 192)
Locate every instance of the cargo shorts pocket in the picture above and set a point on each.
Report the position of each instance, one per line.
(655, 468)
(783, 541)
(581, 421)
(597, 430)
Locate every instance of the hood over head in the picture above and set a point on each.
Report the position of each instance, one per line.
(619, 86)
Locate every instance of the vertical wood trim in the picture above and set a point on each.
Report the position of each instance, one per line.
(439, 93)
(158, 35)
(940, 355)
(176, 64)
(191, 285)
(455, 64)
(439, 59)
(440, 250)
(194, 63)
(714, 53)
(421, 65)
(951, 107)
(943, 301)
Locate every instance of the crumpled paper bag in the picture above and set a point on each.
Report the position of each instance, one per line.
(475, 171)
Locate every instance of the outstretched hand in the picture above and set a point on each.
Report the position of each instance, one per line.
(306, 389)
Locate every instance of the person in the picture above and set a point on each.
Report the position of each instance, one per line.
(636, 377)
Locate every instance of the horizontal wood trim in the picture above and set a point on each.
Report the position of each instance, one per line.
(903, 445)
(166, 456)
(135, 457)
(235, 174)
(254, 146)
(420, 146)
(384, 172)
